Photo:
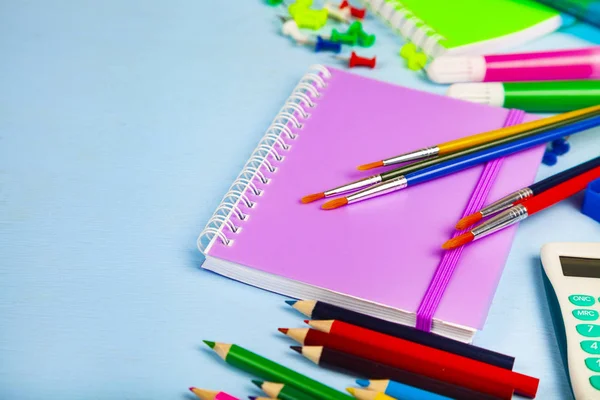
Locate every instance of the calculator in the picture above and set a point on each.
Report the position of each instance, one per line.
(572, 282)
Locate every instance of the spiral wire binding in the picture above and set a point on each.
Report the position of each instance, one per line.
(243, 192)
(408, 25)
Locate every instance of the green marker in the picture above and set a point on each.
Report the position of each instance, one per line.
(546, 96)
(266, 369)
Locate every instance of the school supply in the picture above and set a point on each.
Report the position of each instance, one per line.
(281, 391)
(399, 390)
(336, 13)
(553, 65)
(358, 366)
(587, 10)
(552, 96)
(437, 162)
(354, 11)
(354, 60)
(290, 28)
(571, 273)
(525, 193)
(466, 26)
(362, 394)
(467, 142)
(424, 360)
(318, 310)
(264, 368)
(204, 394)
(458, 164)
(523, 210)
(591, 201)
(262, 235)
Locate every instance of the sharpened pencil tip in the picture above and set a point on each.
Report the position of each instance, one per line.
(257, 382)
(209, 343)
(468, 221)
(291, 302)
(252, 397)
(297, 349)
(283, 330)
(372, 165)
(306, 321)
(363, 382)
(458, 241)
(351, 390)
(335, 203)
(312, 197)
(192, 388)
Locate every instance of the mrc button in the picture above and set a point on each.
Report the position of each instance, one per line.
(584, 314)
(582, 300)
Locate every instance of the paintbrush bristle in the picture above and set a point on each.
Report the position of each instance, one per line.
(335, 203)
(372, 165)
(458, 241)
(468, 221)
(312, 197)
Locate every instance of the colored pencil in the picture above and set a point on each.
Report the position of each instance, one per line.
(281, 391)
(319, 310)
(406, 169)
(399, 390)
(480, 138)
(266, 369)
(259, 398)
(362, 367)
(522, 194)
(461, 163)
(362, 394)
(525, 209)
(211, 394)
(425, 360)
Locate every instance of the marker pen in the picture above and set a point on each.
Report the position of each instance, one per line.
(521, 67)
(550, 96)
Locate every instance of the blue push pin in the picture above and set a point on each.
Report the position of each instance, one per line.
(560, 147)
(591, 201)
(550, 158)
(327, 45)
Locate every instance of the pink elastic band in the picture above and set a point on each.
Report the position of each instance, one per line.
(433, 296)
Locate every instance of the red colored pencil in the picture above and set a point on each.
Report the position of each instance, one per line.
(424, 360)
(525, 209)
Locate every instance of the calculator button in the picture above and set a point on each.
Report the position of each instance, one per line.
(593, 364)
(588, 330)
(582, 300)
(595, 381)
(591, 346)
(585, 314)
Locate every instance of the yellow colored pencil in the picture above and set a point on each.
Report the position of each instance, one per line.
(364, 394)
(480, 138)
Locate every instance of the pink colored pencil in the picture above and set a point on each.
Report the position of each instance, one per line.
(204, 394)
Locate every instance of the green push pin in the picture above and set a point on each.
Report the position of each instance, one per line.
(274, 2)
(364, 39)
(344, 38)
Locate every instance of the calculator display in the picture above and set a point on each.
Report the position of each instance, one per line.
(580, 267)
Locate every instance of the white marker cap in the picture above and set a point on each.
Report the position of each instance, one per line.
(451, 69)
(484, 93)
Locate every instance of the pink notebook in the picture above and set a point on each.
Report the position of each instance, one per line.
(377, 256)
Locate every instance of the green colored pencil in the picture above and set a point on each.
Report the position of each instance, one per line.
(281, 391)
(266, 369)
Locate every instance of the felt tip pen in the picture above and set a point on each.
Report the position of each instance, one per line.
(549, 96)
(518, 67)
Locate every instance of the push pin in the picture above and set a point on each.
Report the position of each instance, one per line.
(364, 39)
(560, 147)
(338, 14)
(308, 18)
(357, 61)
(349, 38)
(290, 28)
(355, 12)
(415, 59)
(321, 44)
(549, 158)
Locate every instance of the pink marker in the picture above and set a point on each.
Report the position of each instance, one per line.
(575, 64)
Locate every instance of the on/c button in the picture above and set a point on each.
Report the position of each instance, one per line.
(582, 300)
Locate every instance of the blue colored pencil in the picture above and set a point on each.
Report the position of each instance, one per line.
(462, 163)
(399, 390)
